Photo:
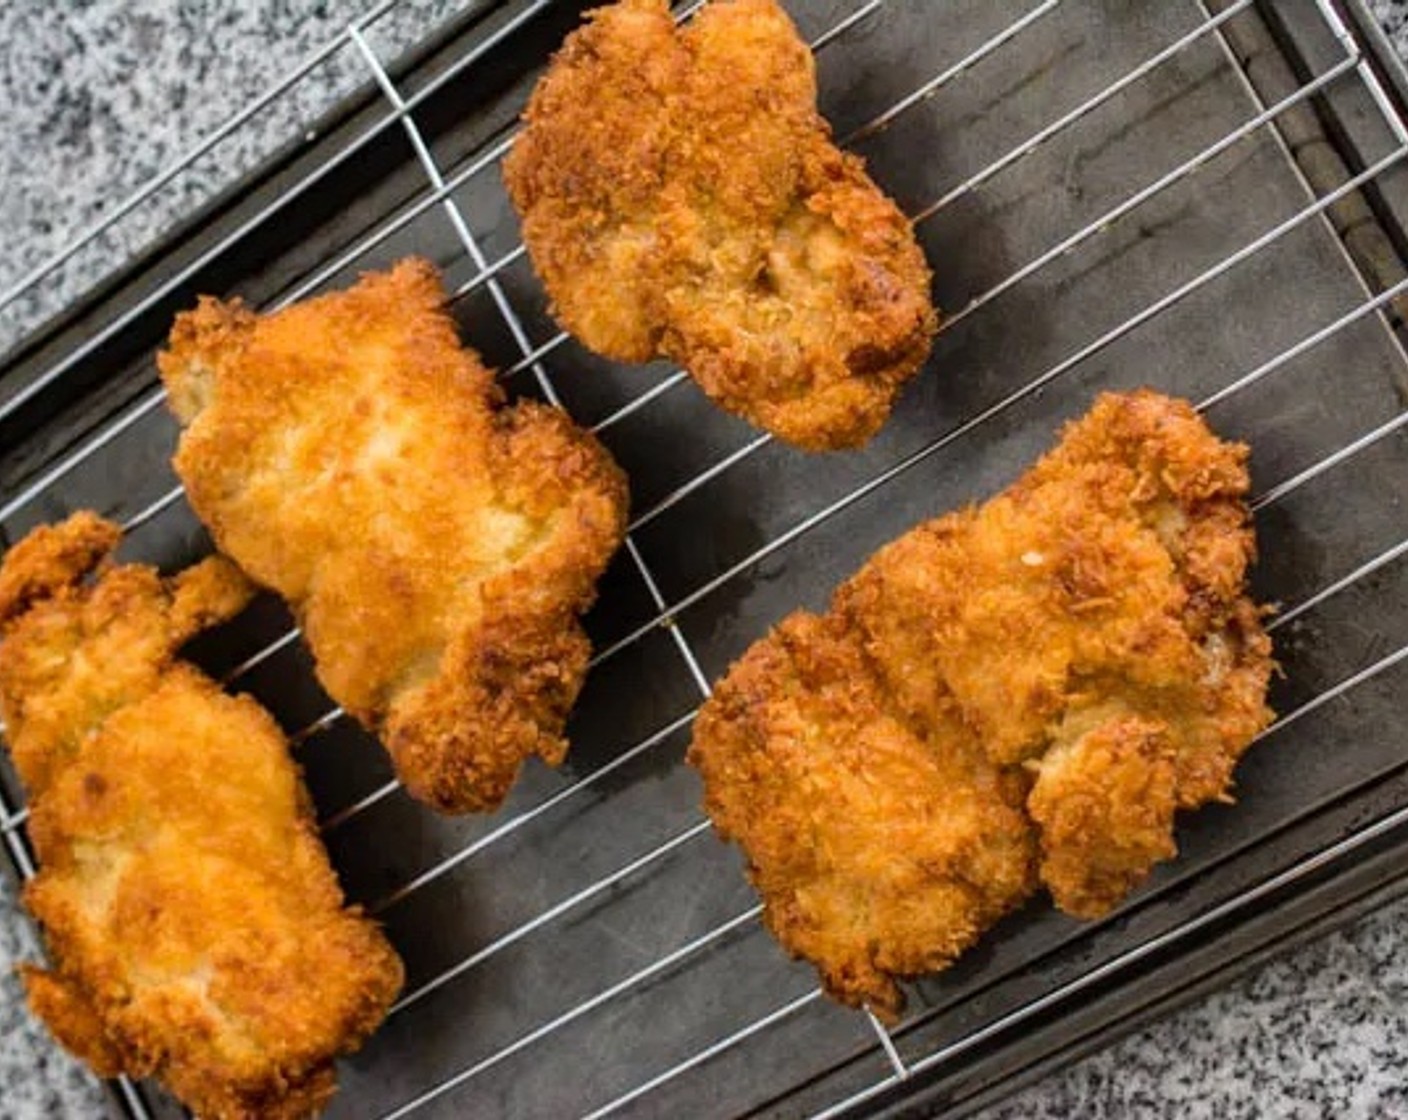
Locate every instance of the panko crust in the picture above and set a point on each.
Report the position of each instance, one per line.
(681, 197)
(882, 848)
(196, 930)
(1081, 649)
(437, 546)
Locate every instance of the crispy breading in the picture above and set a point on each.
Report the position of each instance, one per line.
(681, 197)
(196, 930)
(436, 546)
(1018, 693)
(882, 847)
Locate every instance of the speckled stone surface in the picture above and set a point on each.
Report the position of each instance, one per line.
(101, 96)
(1393, 18)
(96, 96)
(1318, 1032)
(37, 1079)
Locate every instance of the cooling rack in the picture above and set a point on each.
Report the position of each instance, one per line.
(1204, 197)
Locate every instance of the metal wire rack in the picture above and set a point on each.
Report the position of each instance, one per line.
(1199, 196)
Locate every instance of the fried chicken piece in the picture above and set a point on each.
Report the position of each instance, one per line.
(1021, 692)
(681, 197)
(882, 847)
(196, 929)
(436, 546)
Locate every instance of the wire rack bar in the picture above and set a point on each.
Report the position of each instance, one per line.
(360, 806)
(1336, 691)
(844, 1106)
(680, 493)
(75, 458)
(826, 38)
(1085, 108)
(488, 273)
(152, 510)
(1368, 568)
(635, 980)
(1329, 462)
(254, 660)
(696, 672)
(552, 913)
(319, 725)
(786, 1011)
(649, 743)
(1308, 343)
(537, 354)
(1134, 201)
(16, 845)
(132, 1097)
(679, 377)
(887, 1044)
(929, 88)
(1382, 101)
(1061, 994)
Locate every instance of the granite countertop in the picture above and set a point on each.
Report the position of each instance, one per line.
(99, 96)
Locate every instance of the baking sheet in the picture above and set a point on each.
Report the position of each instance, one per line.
(730, 550)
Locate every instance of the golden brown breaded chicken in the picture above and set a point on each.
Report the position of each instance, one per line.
(882, 847)
(436, 546)
(196, 930)
(1018, 693)
(681, 197)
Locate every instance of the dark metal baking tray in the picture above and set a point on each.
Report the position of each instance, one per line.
(1206, 198)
